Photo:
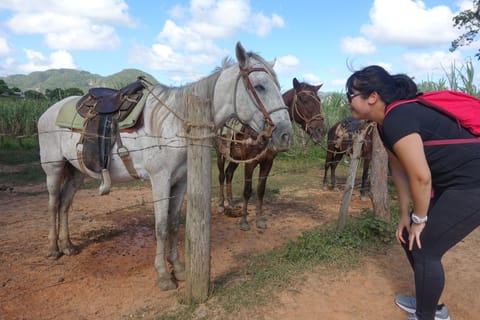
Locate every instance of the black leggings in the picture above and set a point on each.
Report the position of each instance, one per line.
(451, 217)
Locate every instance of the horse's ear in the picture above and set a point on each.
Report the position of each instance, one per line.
(272, 63)
(242, 56)
(296, 84)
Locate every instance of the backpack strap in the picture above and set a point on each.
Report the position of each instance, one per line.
(439, 142)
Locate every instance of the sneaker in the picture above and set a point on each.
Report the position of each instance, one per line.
(409, 304)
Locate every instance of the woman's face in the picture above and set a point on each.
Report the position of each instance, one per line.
(358, 105)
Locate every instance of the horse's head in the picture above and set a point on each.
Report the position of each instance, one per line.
(305, 108)
(257, 100)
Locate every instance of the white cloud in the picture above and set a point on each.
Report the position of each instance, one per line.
(410, 23)
(465, 5)
(311, 78)
(38, 62)
(92, 37)
(286, 64)
(357, 46)
(69, 25)
(263, 24)
(179, 66)
(186, 43)
(5, 47)
(422, 65)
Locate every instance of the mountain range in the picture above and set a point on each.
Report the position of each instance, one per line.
(72, 78)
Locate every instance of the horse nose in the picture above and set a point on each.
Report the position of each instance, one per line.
(283, 136)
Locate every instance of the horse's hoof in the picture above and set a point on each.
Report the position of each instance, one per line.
(53, 254)
(261, 223)
(69, 249)
(244, 226)
(166, 284)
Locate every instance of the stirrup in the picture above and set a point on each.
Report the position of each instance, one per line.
(106, 183)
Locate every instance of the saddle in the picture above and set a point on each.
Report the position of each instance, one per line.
(348, 128)
(103, 109)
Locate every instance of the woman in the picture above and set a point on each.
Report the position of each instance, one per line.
(441, 182)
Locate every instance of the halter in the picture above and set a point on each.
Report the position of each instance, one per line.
(296, 111)
(244, 73)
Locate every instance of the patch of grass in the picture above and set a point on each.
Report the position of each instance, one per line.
(27, 166)
(12, 155)
(256, 283)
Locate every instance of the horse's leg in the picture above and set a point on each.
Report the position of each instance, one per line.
(364, 186)
(265, 167)
(334, 164)
(221, 182)
(328, 165)
(229, 172)
(247, 193)
(54, 180)
(175, 206)
(72, 181)
(161, 198)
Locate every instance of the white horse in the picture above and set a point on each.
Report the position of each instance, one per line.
(248, 90)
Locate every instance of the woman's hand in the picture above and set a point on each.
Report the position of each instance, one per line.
(414, 235)
(403, 224)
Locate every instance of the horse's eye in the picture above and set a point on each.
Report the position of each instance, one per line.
(259, 87)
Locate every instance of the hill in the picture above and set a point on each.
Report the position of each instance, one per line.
(71, 78)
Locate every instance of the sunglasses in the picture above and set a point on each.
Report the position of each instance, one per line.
(350, 96)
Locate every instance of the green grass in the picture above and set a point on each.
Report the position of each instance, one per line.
(27, 166)
(255, 284)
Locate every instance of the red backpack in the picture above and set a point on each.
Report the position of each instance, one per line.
(457, 105)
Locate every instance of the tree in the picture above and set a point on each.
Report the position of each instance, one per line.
(73, 92)
(55, 94)
(32, 94)
(4, 89)
(469, 20)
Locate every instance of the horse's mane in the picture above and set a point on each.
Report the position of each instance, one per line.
(227, 62)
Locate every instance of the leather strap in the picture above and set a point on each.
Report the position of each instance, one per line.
(125, 156)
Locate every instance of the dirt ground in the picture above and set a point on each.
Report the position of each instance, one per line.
(113, 277)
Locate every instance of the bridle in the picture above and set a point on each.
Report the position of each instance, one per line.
(296, 110)
(244, 74)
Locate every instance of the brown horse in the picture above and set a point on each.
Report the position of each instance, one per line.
(340, 142)
(304, 107)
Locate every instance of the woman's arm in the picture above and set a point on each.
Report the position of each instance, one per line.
(411, 155)
(402, 187)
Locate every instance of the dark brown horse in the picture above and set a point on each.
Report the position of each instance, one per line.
(340, 142)
(304, 107)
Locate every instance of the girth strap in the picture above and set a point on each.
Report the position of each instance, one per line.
(125, 156)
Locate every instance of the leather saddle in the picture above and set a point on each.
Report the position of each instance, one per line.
(103, 109)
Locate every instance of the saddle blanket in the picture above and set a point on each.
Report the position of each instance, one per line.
(68, 117)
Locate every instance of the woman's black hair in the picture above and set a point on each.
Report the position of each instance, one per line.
(389, 87)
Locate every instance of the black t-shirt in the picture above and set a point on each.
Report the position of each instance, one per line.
(454, 166)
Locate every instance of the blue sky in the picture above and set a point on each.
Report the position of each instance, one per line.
(181, 41)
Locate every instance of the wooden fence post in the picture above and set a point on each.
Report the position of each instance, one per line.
(357, 143)
(198, 221)
(379, 179)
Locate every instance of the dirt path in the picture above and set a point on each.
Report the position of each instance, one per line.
(113, 276)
